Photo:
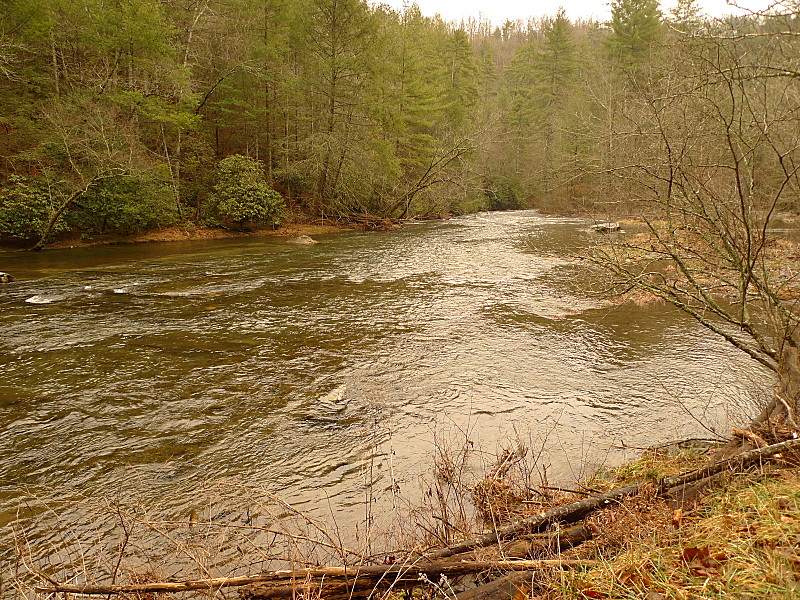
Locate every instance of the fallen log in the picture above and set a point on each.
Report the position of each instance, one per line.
(290, 579)
(570, 513)
(400, 577)
(503, 588)
(278, 584)
(745, 459)
(326, 588)
(531, 546)
(561, 540)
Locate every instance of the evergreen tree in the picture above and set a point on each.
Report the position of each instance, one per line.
(555, 65)
(686, 15)
(635, 29)
(338, 33)
(461, 77)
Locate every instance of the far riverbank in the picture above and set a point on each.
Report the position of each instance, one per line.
(181, 233)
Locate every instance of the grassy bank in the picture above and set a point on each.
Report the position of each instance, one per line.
(737, 540)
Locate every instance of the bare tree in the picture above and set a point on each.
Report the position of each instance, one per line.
(715, 147)
(90, 143)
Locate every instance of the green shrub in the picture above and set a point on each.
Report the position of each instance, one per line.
(25, 208)
(242, 195)
(124, 204)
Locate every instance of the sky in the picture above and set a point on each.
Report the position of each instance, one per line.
(500, 10)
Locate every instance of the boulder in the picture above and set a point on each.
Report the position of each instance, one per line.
(5, 277)
(607, 227)
(302, 240)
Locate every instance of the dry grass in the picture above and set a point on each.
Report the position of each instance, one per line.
(741, 542)
(652, 465)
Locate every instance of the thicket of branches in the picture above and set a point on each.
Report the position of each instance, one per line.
(713, 142)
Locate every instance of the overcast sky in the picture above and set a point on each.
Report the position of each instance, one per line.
(500, 10)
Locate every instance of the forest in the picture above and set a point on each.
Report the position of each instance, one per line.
(128, 115)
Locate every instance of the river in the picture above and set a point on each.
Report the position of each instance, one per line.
(152, 370)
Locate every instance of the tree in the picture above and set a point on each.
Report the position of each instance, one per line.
(338, 34)
(635, 29)
(547, 101)
(718, 156)
(242, 195)
(686, 15)
(460, 75)
(88, 142)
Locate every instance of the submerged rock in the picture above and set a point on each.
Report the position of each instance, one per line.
(302, 240)
(5, 277)
(607, 227)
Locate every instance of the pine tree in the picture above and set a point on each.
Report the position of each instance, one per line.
(635, 29)
(555, 65)
(461, 77)
(685, 15)
(338, 33)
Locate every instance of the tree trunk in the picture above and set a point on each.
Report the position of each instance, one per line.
(51, 222)
(784, 404)
(47, 231)
(788, 381)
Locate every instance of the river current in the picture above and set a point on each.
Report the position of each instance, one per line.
(154, 369)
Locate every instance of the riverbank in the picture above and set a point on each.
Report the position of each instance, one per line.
(736, 540)
(731, 535)
(178, 233)
(648, 539)
(191, 231)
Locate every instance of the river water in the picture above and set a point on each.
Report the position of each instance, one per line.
(154, 369)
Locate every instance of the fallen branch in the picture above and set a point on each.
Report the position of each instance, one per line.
(279, 584)
(757, 440)
(503, 588)
(570, 513)
(400, 576)
(280, 578)
(531, 546)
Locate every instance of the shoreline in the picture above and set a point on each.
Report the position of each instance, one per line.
(177, 233)
(185, 233)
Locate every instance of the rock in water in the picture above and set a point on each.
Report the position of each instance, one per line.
(607, 227)
(302, 240)
(5, 277)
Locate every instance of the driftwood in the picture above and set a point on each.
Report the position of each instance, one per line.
(745, 434)
(402, 576)
(351, 581)
(291, 578)
(510, 586)
(531, 546)
(572, 512)
(503, 588)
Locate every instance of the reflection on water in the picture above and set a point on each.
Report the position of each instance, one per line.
(288, 365)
